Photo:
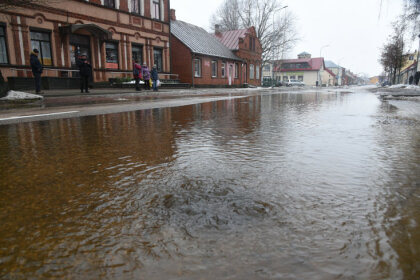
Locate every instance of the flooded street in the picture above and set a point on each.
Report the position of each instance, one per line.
(299, 185)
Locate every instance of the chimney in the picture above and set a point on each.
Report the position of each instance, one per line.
(217, 29)
(173, 15)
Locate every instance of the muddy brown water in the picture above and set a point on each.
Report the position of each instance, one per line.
(273, 186)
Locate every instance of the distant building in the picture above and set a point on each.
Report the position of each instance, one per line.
(328, 78)
(110, 32)
(377, 80)
(338, 71)
(306, 69)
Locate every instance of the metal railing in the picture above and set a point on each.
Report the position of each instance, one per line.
(162, 76)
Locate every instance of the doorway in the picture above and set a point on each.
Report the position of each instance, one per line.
(79, 45)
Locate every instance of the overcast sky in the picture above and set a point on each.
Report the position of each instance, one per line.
(348, 32)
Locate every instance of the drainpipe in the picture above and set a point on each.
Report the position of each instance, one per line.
(192, 70)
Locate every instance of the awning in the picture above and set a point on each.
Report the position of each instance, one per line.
(95, 30)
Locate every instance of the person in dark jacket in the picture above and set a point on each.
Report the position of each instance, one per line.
(36, 69)
(155, 77)
(145, 72)
(85, 73)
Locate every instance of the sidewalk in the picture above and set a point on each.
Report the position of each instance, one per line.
(73, 97)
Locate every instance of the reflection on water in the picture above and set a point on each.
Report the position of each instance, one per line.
(287, 186)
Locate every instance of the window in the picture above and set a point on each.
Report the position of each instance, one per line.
(252, 44)
(135, 6)
(109, 3)
(251, 71)
(236, 70)
(197, 67)
(257, 72)
(41, 41)
(267, 67)
(158, 60)
(111, 55)
(223, 69)
(156, 9)
(303, 65)
(214, 69)
(285, 78)
(3, 49)
(137, 53)
(300, 78)
(292, 77)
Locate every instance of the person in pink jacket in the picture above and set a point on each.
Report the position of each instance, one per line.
(137, 74)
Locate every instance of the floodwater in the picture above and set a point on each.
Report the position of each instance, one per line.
(273, 186)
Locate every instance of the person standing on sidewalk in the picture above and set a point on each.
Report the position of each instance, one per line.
(146, 76)
(36, 69)
(137, 74)
(85, 73)
(155, 77)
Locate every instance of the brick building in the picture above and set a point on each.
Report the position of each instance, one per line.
(110, 32)
(200, 59)
(245, 45)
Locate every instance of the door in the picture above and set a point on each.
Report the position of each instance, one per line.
(79, 45)
(230, 74)
(245, 73)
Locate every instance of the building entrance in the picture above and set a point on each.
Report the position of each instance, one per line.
(79, 45)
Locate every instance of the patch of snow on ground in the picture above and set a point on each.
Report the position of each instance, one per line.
(367, 86)
(405, 86)
(413, 87)
(133, 82)
(20, 95)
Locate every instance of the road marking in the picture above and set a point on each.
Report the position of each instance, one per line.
(40, 115)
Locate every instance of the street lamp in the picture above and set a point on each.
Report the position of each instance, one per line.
(319, 72)
(276, 49)
(320, 50)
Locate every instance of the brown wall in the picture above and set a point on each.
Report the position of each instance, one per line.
(126, 29)
(250, 56)
(181, 59)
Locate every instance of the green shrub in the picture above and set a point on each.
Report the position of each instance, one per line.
(122, 80)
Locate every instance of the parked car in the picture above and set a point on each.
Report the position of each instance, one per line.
(297, 83)
(279, 84)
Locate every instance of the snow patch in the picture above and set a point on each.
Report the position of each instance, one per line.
(20, 95)
(133, 82)
(403, 86)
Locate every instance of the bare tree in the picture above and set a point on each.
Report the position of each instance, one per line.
(392, 55)
(8, 4)
(275, 29)
(411, 15)
(227, 16)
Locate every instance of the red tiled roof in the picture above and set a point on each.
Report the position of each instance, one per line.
(231, 38)
(329, 71)
(315, 64)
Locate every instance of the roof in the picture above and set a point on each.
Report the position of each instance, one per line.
(330, 72)
(304, 53)
(199, 41)
(409, 67)
(315, 64)
(231, 38)
(330, 64)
